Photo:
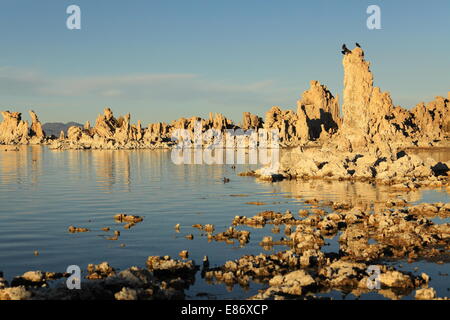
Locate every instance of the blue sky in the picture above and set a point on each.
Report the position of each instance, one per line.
(161, 60)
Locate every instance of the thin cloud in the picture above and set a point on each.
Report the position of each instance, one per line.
(170, 86)
(109, 86)
(150, 97)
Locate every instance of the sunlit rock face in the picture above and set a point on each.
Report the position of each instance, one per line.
(13, 130)
(251, 121)
(285, 121)
(317, 117)
(371, 122)
(433, 119)
(360, 105)
(358, 87)
(106, 124)
(320, 109)
(36, 126)
(110, 132)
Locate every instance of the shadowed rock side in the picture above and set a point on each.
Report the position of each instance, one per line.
(317, 118)
(370, 121)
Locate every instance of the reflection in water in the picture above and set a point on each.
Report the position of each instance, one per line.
(358, 193)
(21, 166)
(115, 168)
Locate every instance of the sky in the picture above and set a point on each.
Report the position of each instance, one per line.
(162, 60)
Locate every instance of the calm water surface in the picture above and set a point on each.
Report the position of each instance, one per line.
(42, 192)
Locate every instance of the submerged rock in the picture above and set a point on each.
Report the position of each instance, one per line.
(73, 229)
(122, 217)
(167, 267)
(425, 294)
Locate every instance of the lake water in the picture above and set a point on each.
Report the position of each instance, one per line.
(42, 192)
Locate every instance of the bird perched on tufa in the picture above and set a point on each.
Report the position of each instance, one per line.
(345, 49)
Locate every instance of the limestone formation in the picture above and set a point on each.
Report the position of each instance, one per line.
(251, 121)
(103, 283)
(372, 121)
(321, 110)
(36, 127)
(367, 237)
(401, 170)
(120, 133)
(105, 124)
(358, 86)
(433, 119)
(13, 130)
(286, 124)
(317, 117)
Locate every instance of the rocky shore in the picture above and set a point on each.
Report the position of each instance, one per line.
(401, 171)
(368, 241)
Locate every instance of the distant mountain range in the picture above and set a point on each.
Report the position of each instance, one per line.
(55, 128)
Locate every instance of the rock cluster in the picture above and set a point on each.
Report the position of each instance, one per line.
(251, 121)
(400, 231)
(131, 284)
(321, 110)
(343, 275)
(118, 133)
(371, 120)
(167, 267)
(13, 130)
(317, 117)
(433, 119)
(401, 171)
(305, 270)
(36, 132)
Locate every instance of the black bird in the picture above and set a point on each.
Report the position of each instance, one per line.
(345, 49)
(358, 45)
(225, 180)
(205, 262)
